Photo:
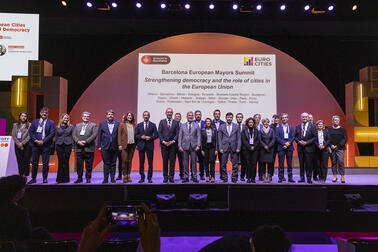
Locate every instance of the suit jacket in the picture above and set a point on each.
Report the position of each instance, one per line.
(202, 124)
(309, 138)
(49, 133)
(15, 222)
(89, 137)
(214, 139)
(166, 135)
(142, 144)
(64, 135)
(25, 137)
(105, 139)
(229, 142)
(220, 123)
(192, 139)
(281, 140)
(245, 139)
(267, 139)
(326, 142)
(123, 136)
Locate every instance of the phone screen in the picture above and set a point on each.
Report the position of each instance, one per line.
(124, 216)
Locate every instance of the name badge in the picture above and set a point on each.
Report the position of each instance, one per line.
(286, 135)
(39, 129)
(82, 132)
(19, 135)
(251, 141)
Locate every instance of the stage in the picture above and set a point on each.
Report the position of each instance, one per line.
(231, 206)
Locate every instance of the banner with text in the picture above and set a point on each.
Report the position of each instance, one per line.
(19, 35)
(235, 83)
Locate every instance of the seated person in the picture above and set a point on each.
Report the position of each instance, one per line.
(15, 220)
(265, 239)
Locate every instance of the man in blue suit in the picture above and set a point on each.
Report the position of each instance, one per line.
(285, 138)
(146, 133)
(168, 134)
(201, 123)
(42, 132)
(107, 143)
(217, 122)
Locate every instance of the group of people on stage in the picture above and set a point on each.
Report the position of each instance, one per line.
(252, 145)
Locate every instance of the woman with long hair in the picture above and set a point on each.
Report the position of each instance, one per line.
(250, 138)
(267, 140)
(127, 144)
(21, 138)
(209, 149)
(63, 145)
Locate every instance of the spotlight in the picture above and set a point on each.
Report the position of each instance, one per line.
(138, 5)
(235, 6)
(64, 3)
(211, 6)
(283, 7)
(163, 5)
(306, 7)
(187, 6)
(331, 7)
(114, 5)
(258, 7)
(89, 4)
(354, 7)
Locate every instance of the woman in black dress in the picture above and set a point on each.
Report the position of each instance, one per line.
(250, 138)
(63, 144)
(267, 140)
(209, 149)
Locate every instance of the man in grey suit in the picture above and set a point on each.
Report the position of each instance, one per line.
(229, 145)
(84, 136)
(189, 142)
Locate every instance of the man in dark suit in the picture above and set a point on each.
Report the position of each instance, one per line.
(84, 136)
(274, 125)
(305, 138)
(146, 133)
(285, 138)
(259, 127)
(168, 134)
(108, 145)
(201, 123)
(229, 143)
(179, 154)
(218, 122)
(15, 220)
(243, 164)
(42, 132)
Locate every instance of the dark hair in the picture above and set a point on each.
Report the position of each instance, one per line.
(110, 111)
(217, 110)
(247, 121)
(197, 111)
(44, 109)
(178, 113)
(229, 114)
(10, 186)
(268, 238)
(124, 117)
(275, 116)
(239, 114)
(211, 122)
(19, 120)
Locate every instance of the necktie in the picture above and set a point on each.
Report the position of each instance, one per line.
(229, 129)
(145, 126)
(303, 130)
(190, 128)
(169, 124)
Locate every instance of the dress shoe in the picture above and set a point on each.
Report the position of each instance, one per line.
(309, 181)
(185, 180)
(280, 181)
(212, 180)
(77, 181)
(129, 178)
(195, 180)
(249, 181)
(88, 181)
(242, 179)
(104, 182)
(165, 180)
(291, 180)
(113, 181)
(32, 181)
(343, 181)
(171, 180)
(253, 181)
(225, 180)
(150, 181)
(207, 179)
(283, 179)
(261, 179)
(125, 179)
(301, 180)
(315, 178)
(334, 180)
(142, 181)
(234, 180)
(202, 177)
(45, 181)
(119, 178)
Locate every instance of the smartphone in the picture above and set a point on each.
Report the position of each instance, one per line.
(125, 217)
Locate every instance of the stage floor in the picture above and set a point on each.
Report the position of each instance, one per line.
(352, 177)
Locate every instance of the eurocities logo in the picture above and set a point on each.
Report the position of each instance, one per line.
(248, 61)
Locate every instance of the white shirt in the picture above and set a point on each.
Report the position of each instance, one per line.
(305, 128)
(217, 123)
(111, 126)
(320, 137)
(41, 127)
(209, 134)
(229, 128)
(286, 131)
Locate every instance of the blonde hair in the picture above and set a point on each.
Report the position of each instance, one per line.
(61, 119)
